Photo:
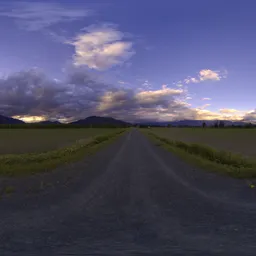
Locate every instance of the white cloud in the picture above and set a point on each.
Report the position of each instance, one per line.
(101, 47)
(145, 86)
(191, 80)
(203, 114)
(187, 81)
(34, 16)
(227, 110)
(30, 119)
(146, 83)
(188, 98)
(206, 98)
(207, 74)
(204, 106)
(153, 96)
(194, 80)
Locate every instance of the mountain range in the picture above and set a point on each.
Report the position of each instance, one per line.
(97, 120)
(48, 122)
(91, 120)
(9, 120)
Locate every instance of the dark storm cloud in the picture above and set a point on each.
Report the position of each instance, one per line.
(28, 92)
(250, 117)
(31, 93)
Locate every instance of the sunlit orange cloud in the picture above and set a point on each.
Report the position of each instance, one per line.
(30, 119)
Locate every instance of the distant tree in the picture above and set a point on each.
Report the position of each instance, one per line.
(216, 125)
(204, 125)
(248, 125)
(221, 124)
(169, 125)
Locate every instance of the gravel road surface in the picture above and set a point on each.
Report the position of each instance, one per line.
(133, 198)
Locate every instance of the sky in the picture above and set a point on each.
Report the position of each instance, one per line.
(155, 60)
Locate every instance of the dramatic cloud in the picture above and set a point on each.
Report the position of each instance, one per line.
(31, 96)
(101, 47)
(38, 15)
(250, 116)
(203, 114)
(157, 97)
(114, 100)
(30, 93)
(133, 105)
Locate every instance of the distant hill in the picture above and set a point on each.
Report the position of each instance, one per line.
(98, 120)
(9, 120)
(48, 122)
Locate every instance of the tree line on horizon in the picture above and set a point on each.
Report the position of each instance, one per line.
(221, 124)
(217, 124)
(60, 126)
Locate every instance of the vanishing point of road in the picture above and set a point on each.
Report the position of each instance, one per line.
(133, 198)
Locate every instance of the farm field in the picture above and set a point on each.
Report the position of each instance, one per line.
(18, 141)
(238, 141)
(28, 151)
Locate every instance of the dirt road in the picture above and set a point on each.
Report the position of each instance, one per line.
(133, 198)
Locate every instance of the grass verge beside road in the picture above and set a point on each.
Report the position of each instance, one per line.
(31, 163)
(208, 158)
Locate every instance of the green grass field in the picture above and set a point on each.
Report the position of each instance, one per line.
(240, 141)
(30, 151)
(18, 141)
(226, 151)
